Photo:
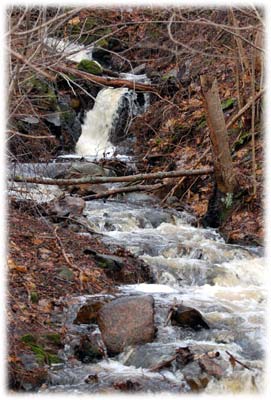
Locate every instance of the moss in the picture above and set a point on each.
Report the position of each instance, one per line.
(102, 43)
(228, 103)
(28, 338)
(44, 89)
(34, 297)
(40, 354)
(90, 66)
(54, 338)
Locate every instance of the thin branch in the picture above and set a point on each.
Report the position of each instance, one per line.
(32, 66)
(244, 109)
(15, 133)
(49, 22)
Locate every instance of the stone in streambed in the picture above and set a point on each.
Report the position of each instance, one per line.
(66, 206)
(127, 321)
(188, 317)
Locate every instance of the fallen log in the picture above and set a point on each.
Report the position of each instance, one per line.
(143, 87)
(112, 179)
(123, 189)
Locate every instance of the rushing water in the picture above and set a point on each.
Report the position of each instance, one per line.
(193, 266)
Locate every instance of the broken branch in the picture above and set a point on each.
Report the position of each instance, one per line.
(106, 80)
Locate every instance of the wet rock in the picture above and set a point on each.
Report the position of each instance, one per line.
(108, 262)
(127, 386)
(88, 313)
(147, 355)
(91, 379)
(66, 206)
(89, 349)
(210, 366)
(127, 321)
(188, 317)
(81, 169)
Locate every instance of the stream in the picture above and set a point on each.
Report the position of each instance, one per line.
(191, 265)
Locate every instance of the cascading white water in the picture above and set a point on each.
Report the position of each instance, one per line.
(94, 140)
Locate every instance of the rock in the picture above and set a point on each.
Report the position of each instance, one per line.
(88, 313)
(88, 349)
(108, 262)
(66, 274)
(127, 321)
(147, 355)
(29, 361)
(80, 169)
(211, 367)
(66, 206)
(188, 317)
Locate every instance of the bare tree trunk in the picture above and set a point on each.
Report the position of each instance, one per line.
(220, 202)
(223, 166)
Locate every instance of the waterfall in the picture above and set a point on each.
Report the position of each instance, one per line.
(95, 137)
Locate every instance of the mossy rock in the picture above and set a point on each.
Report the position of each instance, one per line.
(90, 66)
(66, 273)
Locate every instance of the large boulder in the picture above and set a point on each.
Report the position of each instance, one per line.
(127, 321)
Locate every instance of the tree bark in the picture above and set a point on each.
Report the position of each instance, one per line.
(223, 166)
(106, 179)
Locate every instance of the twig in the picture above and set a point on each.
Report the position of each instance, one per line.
(232, 358)
(68, 261)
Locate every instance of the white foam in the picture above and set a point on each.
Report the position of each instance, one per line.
(149, 288)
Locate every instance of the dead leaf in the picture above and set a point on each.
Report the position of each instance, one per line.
(45, 305)
(74, 21)
(12, 265)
